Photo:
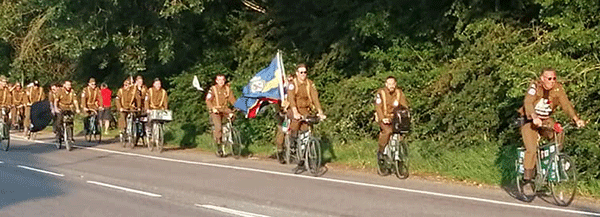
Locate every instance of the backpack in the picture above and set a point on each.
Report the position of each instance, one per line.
(401, 120)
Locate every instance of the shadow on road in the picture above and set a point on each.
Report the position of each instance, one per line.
(19, 185)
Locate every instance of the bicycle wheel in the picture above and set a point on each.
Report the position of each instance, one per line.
(565, 186)
(154, 132)
(401, 164)
(236, 146)
(67, 137)
(159, 137)
(313, 156)
(5, 138)
(287, 156)
(520, 185)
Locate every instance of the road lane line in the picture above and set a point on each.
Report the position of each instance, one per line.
(125, 189)
(1, 162)
(39, 170)
(343, 182)
(230, 211)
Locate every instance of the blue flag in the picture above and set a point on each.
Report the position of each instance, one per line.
(264, 88)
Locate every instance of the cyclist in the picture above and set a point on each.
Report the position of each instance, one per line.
(157, 98)
(17, 110)
(218, 100)
(5, 97)
(65, 100)
(51, 96)
(125, 101)
(91, 101)
(304, 99)
(140, 92)
(541, 99)
(34, 93)
(386, 100)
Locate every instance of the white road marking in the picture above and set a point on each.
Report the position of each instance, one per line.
(125, 189)
(230, 211)
(1, 162)
(39, 170)
(343, 181)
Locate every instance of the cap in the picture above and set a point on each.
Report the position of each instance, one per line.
(92, 80)
(2, 78)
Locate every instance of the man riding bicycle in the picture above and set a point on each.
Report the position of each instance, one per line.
(157, 98)
(5, 97)
(218, 100)
(387, 99)
(33, 94)
(18, 108)
(91, 100)
(541, 99)
(125, 102)
(65, 101)
(304, 99)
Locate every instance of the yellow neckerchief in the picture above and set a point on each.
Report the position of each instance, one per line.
(384, 98)
(308, 84)
(162, 98)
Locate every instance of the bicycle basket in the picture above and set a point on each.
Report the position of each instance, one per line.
(160, 115)
(401, 120)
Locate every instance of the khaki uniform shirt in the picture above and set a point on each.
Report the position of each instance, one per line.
(66, 100)
(34, 94)
(303, 96)
(126, 98)
(18, 97)
(157, 99)
(5, 97)
(91, 98)
(386, 102)
(541, 102)
(219, 97)
(140, 96)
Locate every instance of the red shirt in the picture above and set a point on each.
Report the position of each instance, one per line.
(106, 97)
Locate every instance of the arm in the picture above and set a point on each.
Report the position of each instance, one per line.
(99, 99)
(379, 106)
(566, 105)
(118, 99)
(83, 100)
(315, 98)
(209, 100)
(528, 102)
(166, 100)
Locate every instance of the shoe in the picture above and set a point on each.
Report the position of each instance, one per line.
(280, 156)
(220, 151)
(301, 163)
(380, 158)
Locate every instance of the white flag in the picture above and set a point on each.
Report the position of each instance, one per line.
(196, 84)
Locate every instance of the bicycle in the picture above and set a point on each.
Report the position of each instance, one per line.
(18, 125)
(231, 140)
(92, 130)
(554, 170)
(4, 130)
(157, 120)
(309, 147)
(134, 130)
(395, 158)
(65, 131)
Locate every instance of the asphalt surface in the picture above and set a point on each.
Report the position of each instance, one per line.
(37, 179)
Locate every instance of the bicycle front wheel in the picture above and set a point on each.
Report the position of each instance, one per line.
(68, 135)
(158, 136)
(401, 163)
(313, 156)
(5, 140)
(236, 146)
(287, 142)
(565, 186)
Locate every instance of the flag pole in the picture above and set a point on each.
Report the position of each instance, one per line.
(281, 83)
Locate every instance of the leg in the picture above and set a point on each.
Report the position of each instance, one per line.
(122, 122)
(530, 137)
(384, 135)
(216, 121)
(279, 137)
(58, 124)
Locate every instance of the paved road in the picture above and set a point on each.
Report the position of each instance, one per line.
(106, 180)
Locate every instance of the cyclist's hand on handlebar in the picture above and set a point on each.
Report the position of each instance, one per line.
(580, 123)
(321, 116)
(537, 122)
(214, 110)
(231, 115)
(297, 116)
(386, 121)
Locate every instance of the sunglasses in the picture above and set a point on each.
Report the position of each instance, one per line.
(302, 72)
(551, 78)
